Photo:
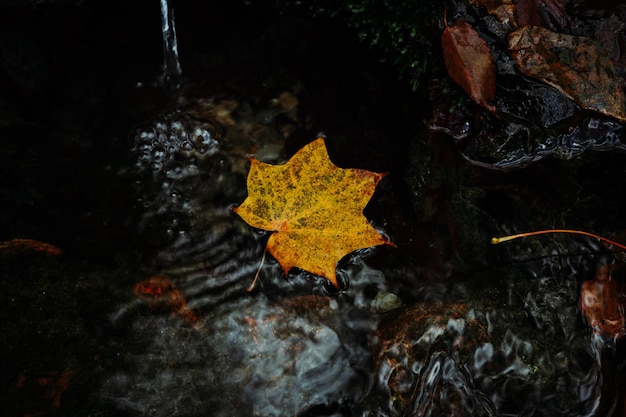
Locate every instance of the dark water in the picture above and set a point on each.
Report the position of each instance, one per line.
(133, 180)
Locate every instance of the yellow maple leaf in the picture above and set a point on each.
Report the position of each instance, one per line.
(314, 207)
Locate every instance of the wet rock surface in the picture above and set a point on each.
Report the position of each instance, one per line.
(535, 117)
(146, 311)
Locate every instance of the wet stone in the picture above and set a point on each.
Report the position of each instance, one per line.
(286, 357)
(532, 102)
(532, 119)
(404, 340)
(503, 144)
(485, 356)
(449, 111)
(385, 301)
(268, 358)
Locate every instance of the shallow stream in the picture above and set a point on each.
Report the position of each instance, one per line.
(146, 312)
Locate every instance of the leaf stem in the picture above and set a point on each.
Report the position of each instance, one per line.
(496, 240)
(258, 272)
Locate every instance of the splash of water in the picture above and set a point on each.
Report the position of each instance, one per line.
(170, 78)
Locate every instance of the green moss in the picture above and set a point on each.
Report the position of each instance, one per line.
(399, 29)
(401, 32)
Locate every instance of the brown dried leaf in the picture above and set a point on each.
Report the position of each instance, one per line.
(19, 246)
(554, 14)
(526, 13)
(610, 33)
(469, 62)
(503, 10)
(602, 302)
(574, 65)
(161, 294)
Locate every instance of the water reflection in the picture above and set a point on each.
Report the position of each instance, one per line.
(170, 77)
(467, 346)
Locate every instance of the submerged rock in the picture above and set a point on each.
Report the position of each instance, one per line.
(494, 352)
(256, 357)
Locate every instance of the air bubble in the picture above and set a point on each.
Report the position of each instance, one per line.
(159, 154)
(146, 135)
(144, 147)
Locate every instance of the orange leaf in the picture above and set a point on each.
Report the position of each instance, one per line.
(314, 207)
(161, 294)
(574, 65)
(15, 246)
(41, 395)
(503, 10)
(602, 302)
(469, 62)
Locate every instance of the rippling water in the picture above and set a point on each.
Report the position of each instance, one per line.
(509, 341)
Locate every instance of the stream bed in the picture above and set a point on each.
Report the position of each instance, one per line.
(125, 166)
